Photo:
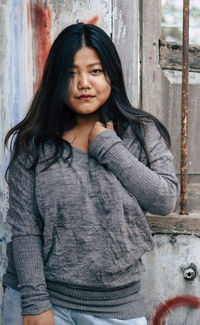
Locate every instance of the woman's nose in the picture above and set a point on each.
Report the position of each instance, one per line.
(83, 81)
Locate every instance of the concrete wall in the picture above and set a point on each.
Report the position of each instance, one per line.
(163, 278)
(22, 55)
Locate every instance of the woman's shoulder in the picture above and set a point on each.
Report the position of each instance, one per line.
(155, 135)
(21, 154)
(152, 139)
(26, 154)
(147, 130)
(157, 144)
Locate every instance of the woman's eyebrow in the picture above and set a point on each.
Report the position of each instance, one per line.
(89, 65)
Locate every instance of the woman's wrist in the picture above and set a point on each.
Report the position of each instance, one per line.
(46, 318)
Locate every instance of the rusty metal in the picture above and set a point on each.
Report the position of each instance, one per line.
(184, 108)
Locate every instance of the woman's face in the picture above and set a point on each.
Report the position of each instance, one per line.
(89, 87)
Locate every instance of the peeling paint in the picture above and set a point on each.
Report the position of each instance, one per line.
(121, 33)
(121, 29)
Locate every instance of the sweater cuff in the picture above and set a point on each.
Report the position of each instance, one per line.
(38, 308)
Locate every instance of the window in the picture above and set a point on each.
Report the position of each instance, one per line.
(172, 21)
(171, 35)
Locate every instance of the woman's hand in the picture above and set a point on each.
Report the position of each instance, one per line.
(46, 318)
(98, 128)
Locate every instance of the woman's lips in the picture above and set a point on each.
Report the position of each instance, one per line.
(85, 97)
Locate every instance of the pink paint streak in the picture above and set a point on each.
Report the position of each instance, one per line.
(42, 27)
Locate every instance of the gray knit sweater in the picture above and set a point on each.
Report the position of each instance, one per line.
(79, 231)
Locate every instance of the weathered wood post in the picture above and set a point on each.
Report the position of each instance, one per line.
(184, 108)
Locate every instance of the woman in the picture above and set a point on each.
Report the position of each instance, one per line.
(85, 168)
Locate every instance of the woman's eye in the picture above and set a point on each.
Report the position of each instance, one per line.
(72, 74)
(96, 71)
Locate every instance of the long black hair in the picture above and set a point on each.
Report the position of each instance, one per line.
(48, 117)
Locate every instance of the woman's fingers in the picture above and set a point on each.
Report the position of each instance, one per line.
(109, 125)
(97, 128)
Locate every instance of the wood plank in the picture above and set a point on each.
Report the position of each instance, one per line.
(175, 224)
(126, 38)
(171, 86)
(153, 98)
(171, 56)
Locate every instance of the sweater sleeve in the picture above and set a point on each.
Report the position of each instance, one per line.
(154, 187)
(27, 238)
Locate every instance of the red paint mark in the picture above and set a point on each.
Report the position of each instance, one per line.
(166, 307)
(28, 13)
(93, 21)
(29, 49)
(42, 27)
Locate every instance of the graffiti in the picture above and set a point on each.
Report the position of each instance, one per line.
(169, 305)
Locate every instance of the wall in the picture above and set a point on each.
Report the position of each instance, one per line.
(161, 96)
(22, 55)
(27, 29)
(26, 32)
(161, 90)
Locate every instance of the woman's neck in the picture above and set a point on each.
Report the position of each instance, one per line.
(78, 135)
(86, 122)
